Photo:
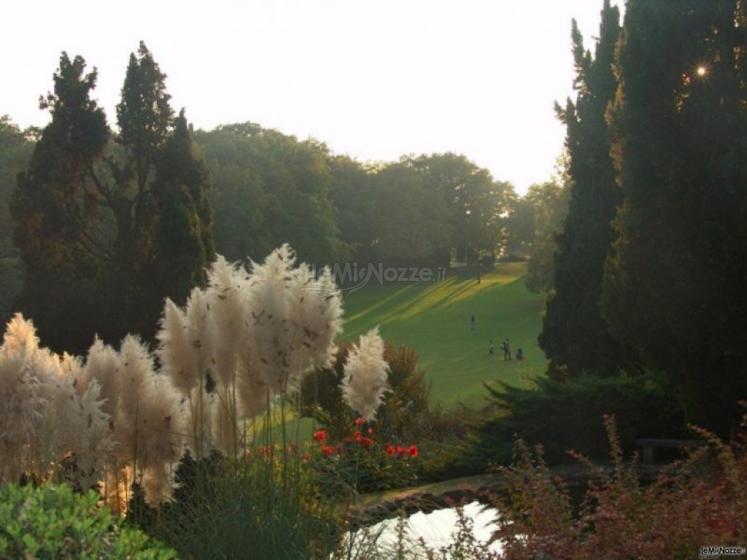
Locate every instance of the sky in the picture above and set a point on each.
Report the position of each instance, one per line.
(375, 79)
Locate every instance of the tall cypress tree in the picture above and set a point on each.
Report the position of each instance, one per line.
(183, 237)
(55, 210)
(674, 284)
(145, 121)
(88, 210)
(575, 337)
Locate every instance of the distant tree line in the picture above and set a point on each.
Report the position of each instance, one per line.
(651, 261)
(269, 187)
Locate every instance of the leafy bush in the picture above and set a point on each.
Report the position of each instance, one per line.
(50, 521)
(694, 503)
(362, 462)
(563, 415)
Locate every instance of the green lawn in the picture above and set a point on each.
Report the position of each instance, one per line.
(433, 318)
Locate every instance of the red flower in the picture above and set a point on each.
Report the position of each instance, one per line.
(413, 451)
(401, 450)
(328, 450)
(357, 436)
(366, 442)
(390, 450)
(320, 435)
(360, 421)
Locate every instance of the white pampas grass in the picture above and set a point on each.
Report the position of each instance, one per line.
(226, 298)
(21, 411)
(143, 417)
(366, 375)
(114, 418)
(147, 422)
(93, 443)
(256, 333)
(47, 423)
(270, 333)
(20, 336)
(296, 318)
(177, 351)
(103, 366)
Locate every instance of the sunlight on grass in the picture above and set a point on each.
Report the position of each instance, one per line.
(433, 318)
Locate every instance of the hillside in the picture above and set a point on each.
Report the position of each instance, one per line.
(434, 319)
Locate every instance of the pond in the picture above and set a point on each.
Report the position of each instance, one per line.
(437, 529)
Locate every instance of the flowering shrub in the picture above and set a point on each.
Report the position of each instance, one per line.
(361, 463)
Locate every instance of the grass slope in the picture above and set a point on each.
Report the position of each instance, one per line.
(433, 318)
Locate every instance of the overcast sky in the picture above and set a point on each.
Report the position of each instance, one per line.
(372, 78)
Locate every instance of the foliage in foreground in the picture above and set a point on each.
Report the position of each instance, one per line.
(51, 521)
(696, 502)
(693, 503)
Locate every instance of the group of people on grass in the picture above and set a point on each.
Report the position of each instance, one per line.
(505, 345)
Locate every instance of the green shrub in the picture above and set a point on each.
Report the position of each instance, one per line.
(51, 521)
(566, 415)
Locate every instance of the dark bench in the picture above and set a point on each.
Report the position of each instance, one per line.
(649, 444)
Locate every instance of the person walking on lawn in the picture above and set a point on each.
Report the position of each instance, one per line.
(506, 347)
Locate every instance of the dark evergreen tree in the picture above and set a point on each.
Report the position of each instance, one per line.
(674, 284)
(145, 121)
(88, 210)
(183, 238)
(55, 208)
(575, 337)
